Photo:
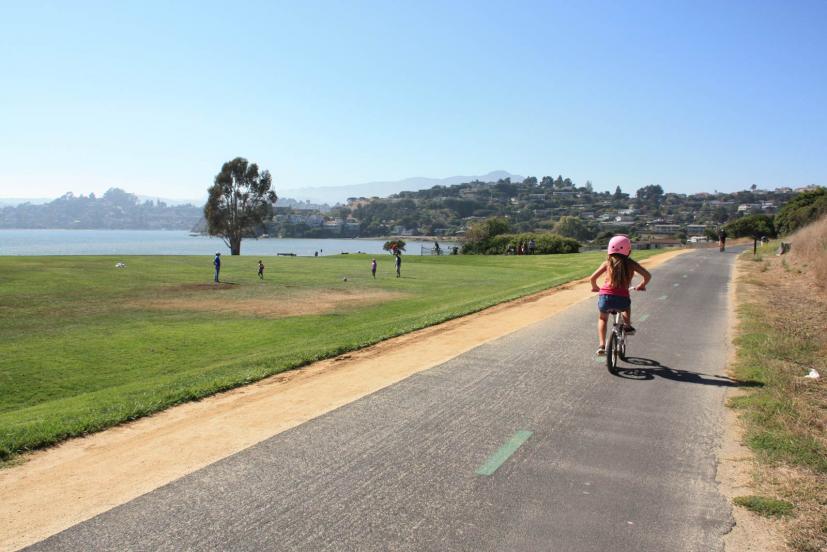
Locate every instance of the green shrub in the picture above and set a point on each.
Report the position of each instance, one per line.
(546, 243)
(389, 245)
(803, 209)
(768, 507)
(751, 226)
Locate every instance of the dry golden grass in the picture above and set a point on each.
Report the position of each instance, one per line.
(783, 303)
(810, 250)
(296, 303)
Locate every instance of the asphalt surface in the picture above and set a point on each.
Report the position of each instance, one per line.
(615, 463)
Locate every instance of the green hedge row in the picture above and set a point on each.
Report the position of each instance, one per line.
(545, 243)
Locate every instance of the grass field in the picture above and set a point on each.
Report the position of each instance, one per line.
(84, 346)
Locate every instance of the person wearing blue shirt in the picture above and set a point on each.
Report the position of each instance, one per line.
(217, 263)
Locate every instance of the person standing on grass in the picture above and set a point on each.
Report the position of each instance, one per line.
(260, 270)
(398, 265)
(373, 268)
(217, 263)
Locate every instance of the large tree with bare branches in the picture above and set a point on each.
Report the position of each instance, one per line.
(239, 201)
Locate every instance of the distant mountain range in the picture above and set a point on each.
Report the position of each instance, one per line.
(326, 194)
(340, 194)
(14, 201)
(116, 210)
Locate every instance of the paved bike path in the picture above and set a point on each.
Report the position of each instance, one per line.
(595, 462)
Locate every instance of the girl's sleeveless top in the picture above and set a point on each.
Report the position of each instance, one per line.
(607, 289)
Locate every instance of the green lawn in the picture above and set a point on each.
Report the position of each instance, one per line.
(84, 346)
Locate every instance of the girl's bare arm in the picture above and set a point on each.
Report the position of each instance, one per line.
(646, 277)
(600, 270)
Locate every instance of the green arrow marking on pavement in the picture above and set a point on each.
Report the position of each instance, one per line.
(643, 317)
(676, 284)
(504, 453)
(663, 297)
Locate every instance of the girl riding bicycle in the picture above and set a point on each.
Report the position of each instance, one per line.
(614, 293)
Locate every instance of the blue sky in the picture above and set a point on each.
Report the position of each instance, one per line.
(153, 98)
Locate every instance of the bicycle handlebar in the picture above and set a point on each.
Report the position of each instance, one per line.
(633, 288)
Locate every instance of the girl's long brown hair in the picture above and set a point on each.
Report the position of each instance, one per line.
(620, 270)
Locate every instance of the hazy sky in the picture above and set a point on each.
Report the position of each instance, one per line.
(154, 96)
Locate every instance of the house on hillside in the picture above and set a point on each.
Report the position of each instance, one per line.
(657, 243)
(354, 202)
(617, 224)
(400, 230)
(747, 208)
(333, 226)
(665, 229)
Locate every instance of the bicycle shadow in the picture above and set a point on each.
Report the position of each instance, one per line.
(645, 369)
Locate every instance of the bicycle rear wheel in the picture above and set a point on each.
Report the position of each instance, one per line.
(612, 353)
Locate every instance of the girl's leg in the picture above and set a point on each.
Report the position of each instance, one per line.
(627, 316)
(601, 329)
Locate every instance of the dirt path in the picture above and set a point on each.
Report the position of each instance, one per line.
(59, 487)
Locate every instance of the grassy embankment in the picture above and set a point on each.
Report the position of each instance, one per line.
(782, 312)
(84, 346)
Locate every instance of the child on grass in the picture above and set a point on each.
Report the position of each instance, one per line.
(614, 293)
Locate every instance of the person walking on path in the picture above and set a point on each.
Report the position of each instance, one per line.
(722, 239)
(373, 268)
(398, 265)
(260, 270)
(217, 263)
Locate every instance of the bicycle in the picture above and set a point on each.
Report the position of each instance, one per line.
(616, 349)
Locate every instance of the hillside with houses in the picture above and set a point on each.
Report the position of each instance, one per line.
(446, 211)
(533, 204)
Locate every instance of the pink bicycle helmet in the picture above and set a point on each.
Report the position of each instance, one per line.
(620, 244)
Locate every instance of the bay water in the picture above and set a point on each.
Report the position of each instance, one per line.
(176, 242)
